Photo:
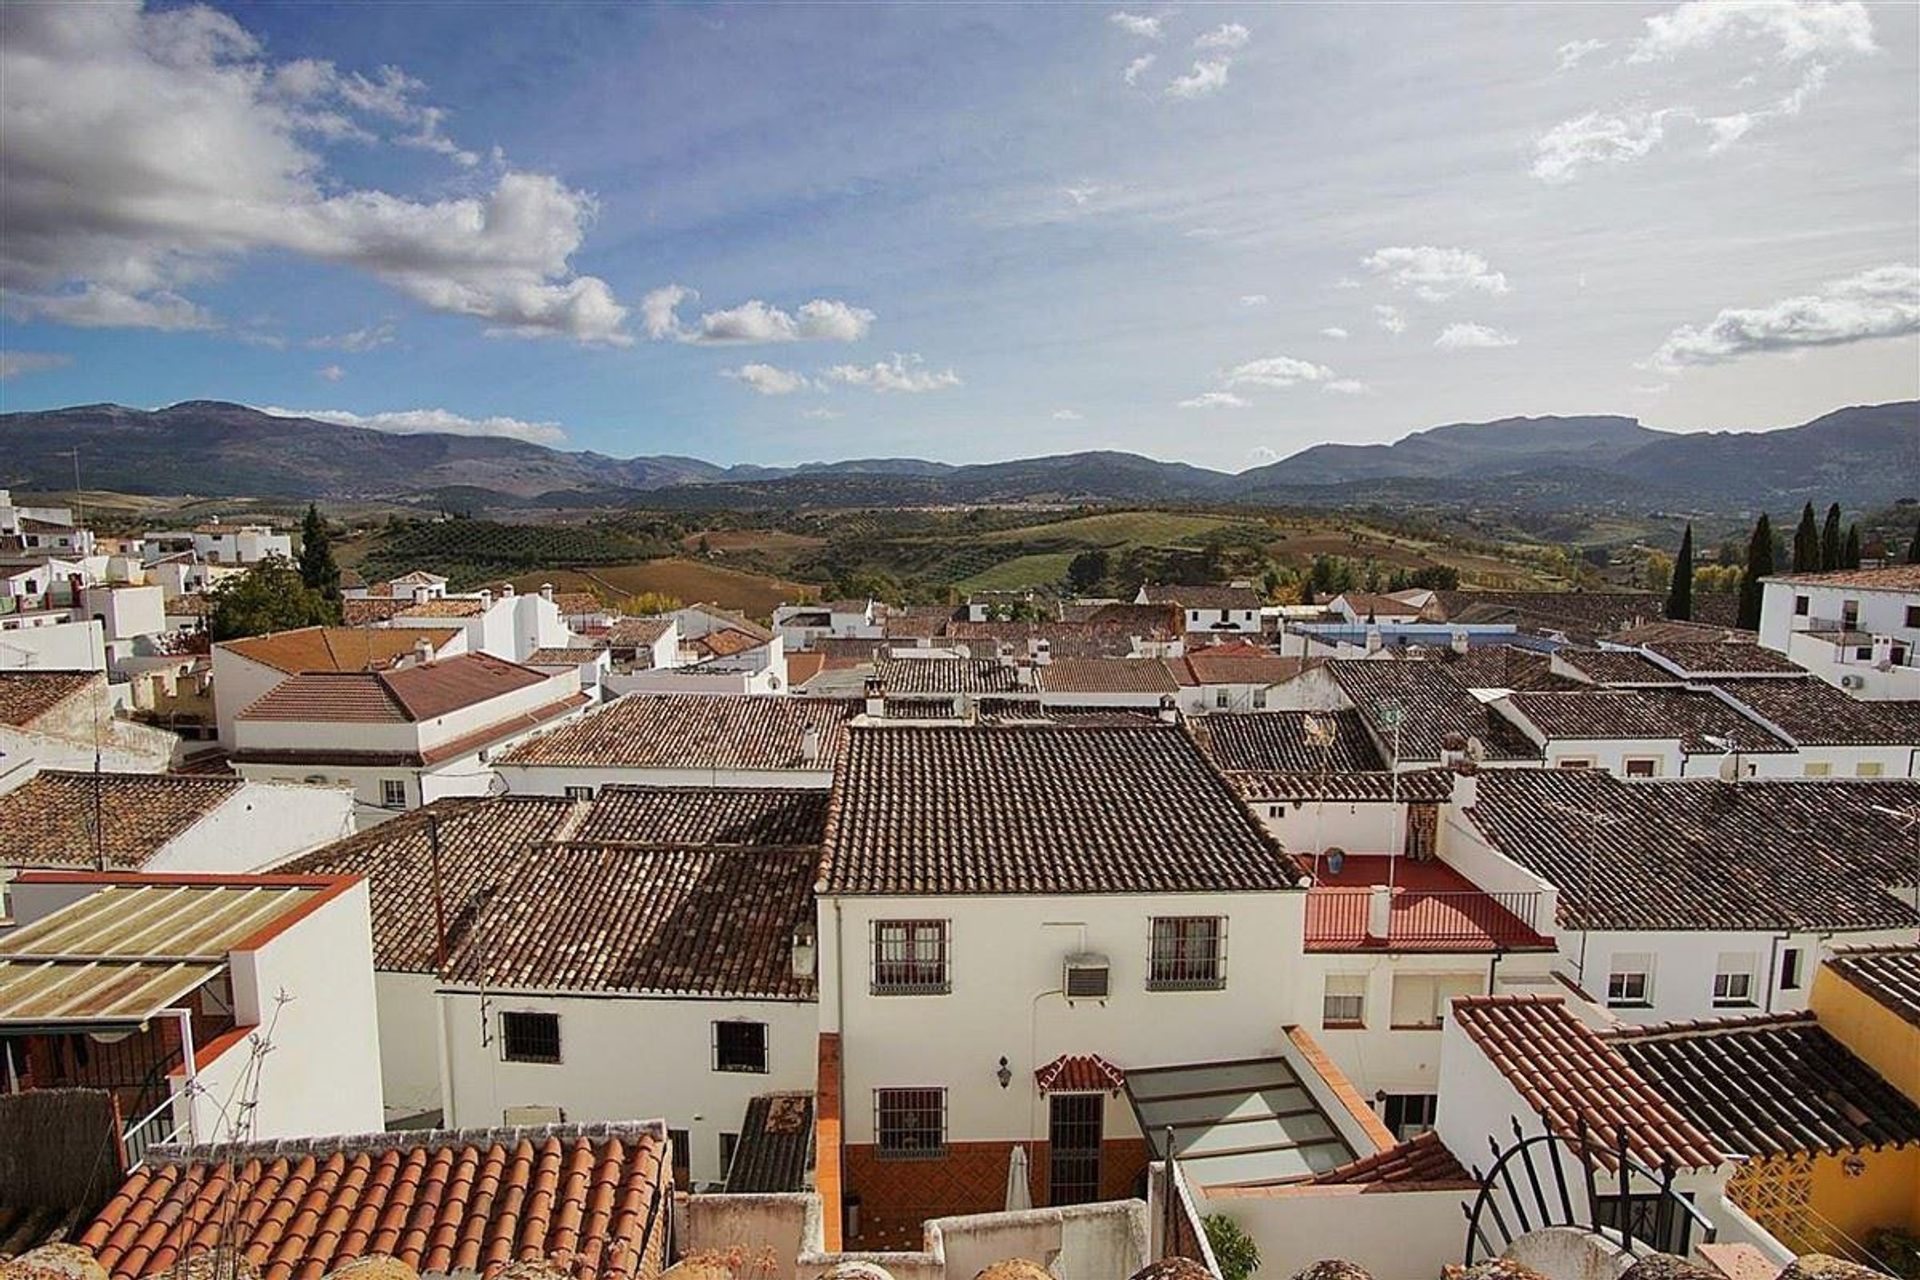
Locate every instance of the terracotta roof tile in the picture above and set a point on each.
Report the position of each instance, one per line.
(1569, 1075)
(1579, 612)
(1888, 973)
(726, 642)
(694, 731)
(48, 821)
(1813, 713)
(590, 1199)
(1897, 577)
(1079, 1073)
(1616, 666)
(1705, 659)
(1501, 666)
(947, 675)
(1239, 663)
(1771, 1085)
(1690, 716)
(630, 633)
(1277, 741)
(1432, 704)
(1422, 1161)
(1106, 675)
(25, 696)
(1040, 809)
(424, 691)
(374, 609)
(337, 648)
(708, 815)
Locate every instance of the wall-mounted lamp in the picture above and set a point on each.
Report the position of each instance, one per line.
(1005, 1074)
(1855, 1166)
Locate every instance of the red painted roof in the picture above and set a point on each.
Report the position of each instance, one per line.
(1079, 1073)
(1435, 908)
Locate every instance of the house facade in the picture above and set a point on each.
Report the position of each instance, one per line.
(1855, 628)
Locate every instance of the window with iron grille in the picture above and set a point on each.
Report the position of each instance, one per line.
(910, 1124)
(529, 1037)
(910, 958)
(1189, 954)
(740, 1046)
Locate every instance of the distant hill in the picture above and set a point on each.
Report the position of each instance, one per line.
(1862, 456)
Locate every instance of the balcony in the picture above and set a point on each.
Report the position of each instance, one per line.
(1379, 903)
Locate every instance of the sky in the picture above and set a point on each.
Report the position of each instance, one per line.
(779, 233)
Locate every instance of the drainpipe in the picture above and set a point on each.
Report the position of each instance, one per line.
(192, 1070)
(1773, 965)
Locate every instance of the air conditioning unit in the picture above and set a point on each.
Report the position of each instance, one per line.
(1853, 682)
(1086, 976)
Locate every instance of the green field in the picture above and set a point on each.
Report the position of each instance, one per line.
(1116, 528)
(1044, 570)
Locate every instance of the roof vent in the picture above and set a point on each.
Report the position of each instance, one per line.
(1086, 976)
(810, 745)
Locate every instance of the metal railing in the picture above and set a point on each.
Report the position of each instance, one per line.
(153, 1129)
(1416, 917)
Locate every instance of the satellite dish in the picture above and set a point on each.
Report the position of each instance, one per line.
(1476, 749)
(1336, 859)
(1729, 768)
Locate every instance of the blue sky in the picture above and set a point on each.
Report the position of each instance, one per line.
(779, 233)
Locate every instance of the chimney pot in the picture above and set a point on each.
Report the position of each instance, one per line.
(546, 591)
(423, 650)
(506, 590)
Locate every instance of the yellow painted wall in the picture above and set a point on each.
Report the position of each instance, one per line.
(1874, 1033)
(1887, 1194)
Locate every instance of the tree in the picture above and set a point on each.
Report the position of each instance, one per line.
(1806, 543)
(317, 568)
(1913, 548)
(1233, 1249)
(1759, 565)
(271, 596)
(1850, 549)
(1087, 570)
(1680, 592)
(649, 604)
(1830, 546)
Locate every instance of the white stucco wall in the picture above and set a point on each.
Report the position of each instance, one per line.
(55, 646)
(409, 1014)
(1404, 1235)
(1880, 612)
(263, 824)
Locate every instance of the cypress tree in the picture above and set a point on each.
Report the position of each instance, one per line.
(1806, 543)
(1759, 565)
(1680, 591)
(317, 568)
(1830, 548)
(1850, 550)
(1913, 548)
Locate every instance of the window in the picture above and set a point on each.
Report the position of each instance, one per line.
(1850, 615)
(729, 1143)
(910, 958)
(1733, 980)
(1819, 770)
(393, 793)
(1421, 1000)
(1913, 615)
(579, 793)
(1345, 1001)
(530, 1037)
(1408, 1115)
(682, 1146)
(1790, 969)
(1643, 767)
(1220, 698)
(910, 1124)
(1630, 982)
(1189, 954)
(1869, 769)
(1575, 762)
(740, 1046)
(1802, 605)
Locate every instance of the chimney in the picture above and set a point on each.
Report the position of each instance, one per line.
(1379, 911)
(1023, 676)
(423, 651)
(1373, 640)
(421, 595)
(546, 591)
(1458, 641)
(810, 745)
(876, 698)
(805, 947)
(1466, 787)
(506, 591)
(486, 598)
(1169, 709)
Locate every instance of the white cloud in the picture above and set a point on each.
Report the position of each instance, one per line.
(1214, 400)
(1276, 371)
(1433, 273)
(1347, 387)
(752, 321)
(148, 150)
(355, 340)
(1883, 302)
(1573, 52)
(14, 364)
(1728, 130)
(1205, 78)
(1466, 334)
(903, 373)
(1136, 25)
(1139, 67)
(1596, 139)
(1253, 299)
(1066, 415)
(408, 422)
(1392, 319)
(1335, 332)
(822, 414)
(769, 380)
(1081, 194)
(1797, 28)
(1227, 36)
(331, 372)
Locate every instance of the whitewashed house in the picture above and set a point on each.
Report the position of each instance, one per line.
(404, 736)
(244, 671)
(1653, 732)
(1855, 628)
(217, 542)
(1234, 609)
(66, 720)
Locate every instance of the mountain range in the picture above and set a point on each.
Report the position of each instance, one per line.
(1862, 455)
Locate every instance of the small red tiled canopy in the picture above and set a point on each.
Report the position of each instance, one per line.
(1080, 1073)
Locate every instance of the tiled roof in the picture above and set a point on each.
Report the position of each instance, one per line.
(571, 656)
(1813, 713)
(1895, 577)
(1616, 666)
(1705, 658)
(1106, 675)
(1138, 619)
(1771, 1084)
(1689, 715)
(1888, 973)
(947, 675)
(726, 642)
(1501, 666)
(803, 665)
(530, 906)
(1693, 854)
(694, 731)
(424, 691)
(575, 603)
(357, 613)
(734, 619)
(1079, 1073)
(1573, 611)
(1662, 631)
(1409, 786)
(1568, 1074)
(336, 648)
(1432, 705)
(25, 696)
(630, 633)
(1371, 604)
(1064, 639)
(1276, 741)
(592, 1199)
(707, 815)
(1239, 663)
(48, 821)
(1025, 810)
(917, 622)
(1203, 597)
(776, 1146)
(1421, 1161)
